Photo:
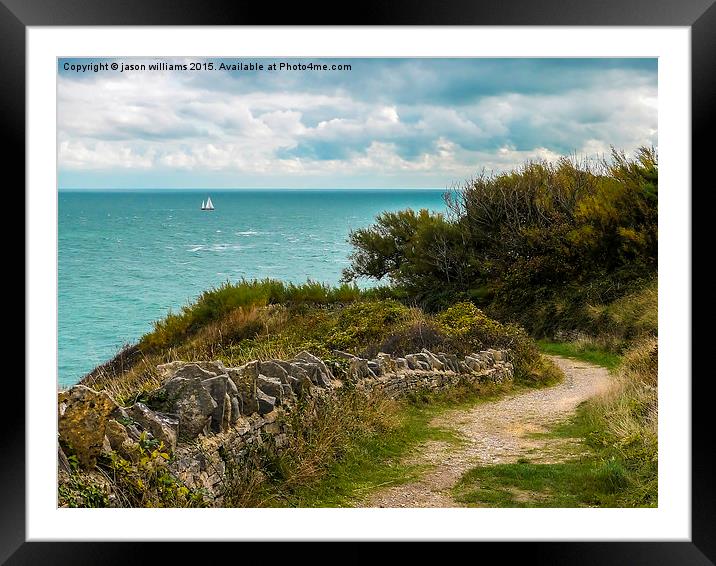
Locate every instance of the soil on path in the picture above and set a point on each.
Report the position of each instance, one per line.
(495, 433)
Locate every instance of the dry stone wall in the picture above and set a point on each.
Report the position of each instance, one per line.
(204, 410)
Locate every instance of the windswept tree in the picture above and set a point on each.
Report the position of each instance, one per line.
(515, 238)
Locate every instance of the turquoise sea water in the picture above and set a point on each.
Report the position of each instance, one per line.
(126, 258)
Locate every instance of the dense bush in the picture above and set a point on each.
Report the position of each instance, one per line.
(545, 239)
(471, 330)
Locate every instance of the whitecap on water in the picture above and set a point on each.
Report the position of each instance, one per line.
(247, 233)
(222, 247)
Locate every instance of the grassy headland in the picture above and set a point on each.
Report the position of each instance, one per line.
(249, 320)
(563, 252)
(339, 450)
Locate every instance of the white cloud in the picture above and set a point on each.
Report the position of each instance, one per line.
(175, 122)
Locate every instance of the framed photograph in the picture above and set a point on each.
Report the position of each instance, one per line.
(403, 278)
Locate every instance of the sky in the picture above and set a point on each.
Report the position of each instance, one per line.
(382, 123)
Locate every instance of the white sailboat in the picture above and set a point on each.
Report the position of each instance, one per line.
(208, 205)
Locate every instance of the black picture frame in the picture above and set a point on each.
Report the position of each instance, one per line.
(16, 15)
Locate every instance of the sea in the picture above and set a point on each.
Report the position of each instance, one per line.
(127, 258)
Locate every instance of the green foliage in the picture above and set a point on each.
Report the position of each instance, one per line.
(584, 481)
(470, 326)
(417, 251)
(218, 302)
(82, 491)
(362, 323)
(145, 481)
(471, 330)
(535, 245)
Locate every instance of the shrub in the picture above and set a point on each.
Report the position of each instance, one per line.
(413, 338)
(470, 330)
(535, 245)
(364, 323)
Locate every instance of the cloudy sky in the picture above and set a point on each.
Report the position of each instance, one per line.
(384, 123)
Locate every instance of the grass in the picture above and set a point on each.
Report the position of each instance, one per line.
(240, 323)
(590, 476)
(581, 351)
(613, 461)
(370, 463)
(582, 482)
(367, 461)
(218, 302)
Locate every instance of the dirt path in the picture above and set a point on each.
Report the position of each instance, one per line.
(495, 433)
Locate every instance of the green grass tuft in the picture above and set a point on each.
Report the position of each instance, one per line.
(579, 351)
(582, 482)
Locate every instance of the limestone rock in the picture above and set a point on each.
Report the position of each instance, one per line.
(271, 386)
(244, 378)
(282, 371)
(192, 370)
(235, 410)
(189, 369)
(450, 361)
(187, 398)
(374, 366)
(83, 416)
(411, 361)
(168, 370)
(63, 464)
(215, 367)
(359, 369)
(486, 355)
(274, 370)
(434, 361)
(387, 364)
(120, 441)
(266, 403)
(499, 355)
(401, 364)
(474, 363)
(308, 358)
(297, 377)
(222, 390)
(315, 374)
(162, 427)
(121, 415)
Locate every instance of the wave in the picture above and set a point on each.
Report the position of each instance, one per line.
(215, 248)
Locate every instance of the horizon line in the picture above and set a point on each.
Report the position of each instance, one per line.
(64, 189)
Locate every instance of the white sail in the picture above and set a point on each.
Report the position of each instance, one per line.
(203, 206)
(209, 204)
